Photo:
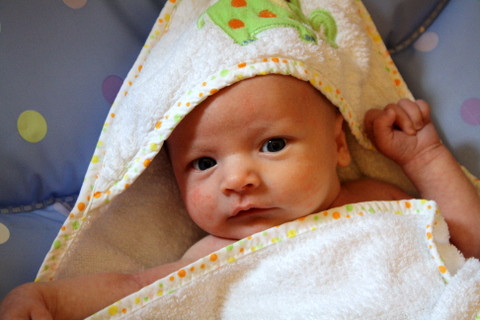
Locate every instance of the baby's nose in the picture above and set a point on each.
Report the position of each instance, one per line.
(240, 176)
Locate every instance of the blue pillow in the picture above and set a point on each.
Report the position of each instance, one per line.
(62, 65)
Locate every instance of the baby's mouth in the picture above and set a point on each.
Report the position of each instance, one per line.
(241, 212)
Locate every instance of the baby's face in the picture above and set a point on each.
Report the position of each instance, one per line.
(257, 154)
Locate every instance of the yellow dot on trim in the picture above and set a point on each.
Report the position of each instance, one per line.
(112, 310)
(442, 269)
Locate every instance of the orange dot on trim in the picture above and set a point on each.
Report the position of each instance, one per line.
(182, 273)
(81, 206)
(236, 24)
(213, 257)
(242, 65)
(275, 60)
(325, 213)
(408, 205)
(126, 185)
(97, 194)
(213, 91)
(429, 235)
(202, 266)
(242, 249)
(200, 94)
(398, 82)
(442, 269)
(192, 269)
(204, 84)
(71, 215)
(140, 67)
(171, 278)
(112, 115)
(63, 228)
(264, 59)
(266, 14)
(147, 162)
(158, 125)
(336, 215)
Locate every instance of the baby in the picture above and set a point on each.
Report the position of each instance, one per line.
(246, 160)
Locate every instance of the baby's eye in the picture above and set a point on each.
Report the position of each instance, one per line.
(274, 145)
(203, 164)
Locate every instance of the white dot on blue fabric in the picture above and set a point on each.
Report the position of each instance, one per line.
(4, 233)
(427, 42)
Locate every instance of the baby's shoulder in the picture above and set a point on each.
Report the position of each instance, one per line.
(368, 189)
(206, 246)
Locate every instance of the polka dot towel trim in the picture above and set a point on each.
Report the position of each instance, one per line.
(271, 237)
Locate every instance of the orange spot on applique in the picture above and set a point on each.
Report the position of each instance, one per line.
(242, 65)
(182, 273)
(302, 218)
(442, 269)
(158, 125)
(171, 278)
(124, 310)
(71, 215)
(325, 213)
(264, 59)
(337, 91)
(236, 24)
(204, 84)
(192, 269)
(213, 91)
(63, 228)
(81, 206)
(173, 1)
(336, 215)
(398, 82)
(188, 104)
(179, 104)
(213, 257)
(408, 205)
(239, 3)
(360, 213)
(126, 185)
(275, 60)
(140, 67)
(146, 162)
(112, 115)
(200, 94)
(241, 250)
(429, 235)
(266, 14)
(97, 194)
(202, 266)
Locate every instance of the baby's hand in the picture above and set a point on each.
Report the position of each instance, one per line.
(403, 131)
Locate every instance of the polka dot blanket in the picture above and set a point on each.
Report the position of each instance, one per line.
(129, 206)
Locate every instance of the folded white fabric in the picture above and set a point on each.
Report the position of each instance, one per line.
(372, 260)
(129, 215)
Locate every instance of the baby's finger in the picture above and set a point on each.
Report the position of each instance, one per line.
(424, 109)
(414, 112)
(402, 118)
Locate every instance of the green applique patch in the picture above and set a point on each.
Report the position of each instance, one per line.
(242, 20)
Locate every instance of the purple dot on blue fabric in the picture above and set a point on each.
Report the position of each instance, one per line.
(470, 111)
(110, 87)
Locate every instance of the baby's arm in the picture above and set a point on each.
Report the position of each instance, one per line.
(72, 298)
(404, 133)
(80, 297)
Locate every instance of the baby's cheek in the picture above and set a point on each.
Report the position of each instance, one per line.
(200, 201)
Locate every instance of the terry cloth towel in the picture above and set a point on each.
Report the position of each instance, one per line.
(372, 260)
(129, 215)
